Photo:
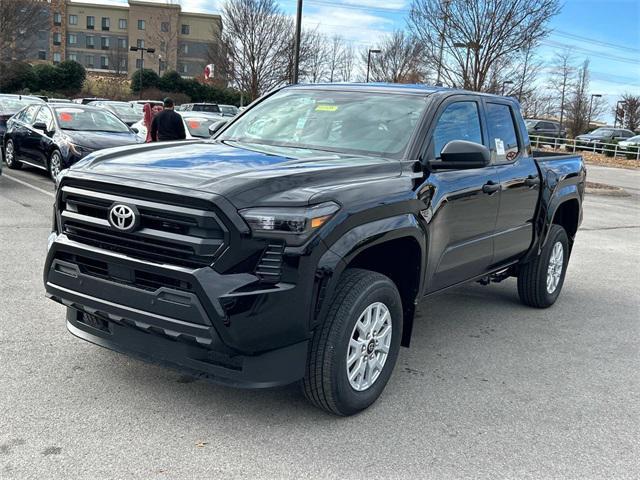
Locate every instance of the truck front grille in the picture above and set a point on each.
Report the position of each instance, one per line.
(166, 233)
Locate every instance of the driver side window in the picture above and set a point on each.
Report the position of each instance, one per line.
(459, 121)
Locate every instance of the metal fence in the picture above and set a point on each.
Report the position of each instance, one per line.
(572, 145)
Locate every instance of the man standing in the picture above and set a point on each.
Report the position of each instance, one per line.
(167, 125)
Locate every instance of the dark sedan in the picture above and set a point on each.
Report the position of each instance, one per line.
(9, 105)
(602, 136)
(54, 136)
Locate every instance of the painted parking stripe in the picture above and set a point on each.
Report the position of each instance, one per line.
(26, 184)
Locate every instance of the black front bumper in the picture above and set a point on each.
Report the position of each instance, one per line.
(218, 328)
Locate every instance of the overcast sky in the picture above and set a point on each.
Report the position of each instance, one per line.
(605, 31)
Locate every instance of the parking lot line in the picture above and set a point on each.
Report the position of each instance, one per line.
(26, 184)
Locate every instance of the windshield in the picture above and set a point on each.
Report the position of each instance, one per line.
(602, 132)
(123, 109)
(635, 139)
(531, 123)
(229, 109)
(12, 105)
(206, 108)
(335, 121)
(198, 126)
(71, 118)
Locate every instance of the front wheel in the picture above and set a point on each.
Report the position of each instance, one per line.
(541, 279)
(55, 164)
(353, 351)
(10, 156)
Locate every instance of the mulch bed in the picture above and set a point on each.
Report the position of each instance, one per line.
(591, 158)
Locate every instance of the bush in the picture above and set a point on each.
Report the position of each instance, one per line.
(150, 79)
(609, 149)
(72, 75)
(632, 153)
(16, 77)
(48, 77)
(171, 82)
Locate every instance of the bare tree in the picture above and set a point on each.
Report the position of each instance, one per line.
(20, 22)
(582, 107)
(118, 57)
(256, 39)
(348, 63)
(561, 78)
(400, 59)
(314, 61)
(629, 115)
(335, 58)
(476, 35)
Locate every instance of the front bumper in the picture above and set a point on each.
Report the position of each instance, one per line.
(222, 327)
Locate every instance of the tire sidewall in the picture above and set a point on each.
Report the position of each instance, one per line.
(351, 400)
(557, 234)
(13, 163)
(55, 152)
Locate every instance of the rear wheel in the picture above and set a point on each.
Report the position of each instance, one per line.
(354, 350)
(540, 280)
(55, 164)
(10, 156)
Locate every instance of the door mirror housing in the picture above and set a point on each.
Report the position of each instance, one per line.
(135, 130)
(217, 126)
(40, 126)
(461, 154)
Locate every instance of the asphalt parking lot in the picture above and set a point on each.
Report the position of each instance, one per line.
(489, 389)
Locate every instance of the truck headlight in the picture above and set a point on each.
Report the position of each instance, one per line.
(289, 220)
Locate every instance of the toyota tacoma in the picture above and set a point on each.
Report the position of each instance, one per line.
(296, 244)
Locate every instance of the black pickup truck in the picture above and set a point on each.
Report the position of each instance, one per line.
(296, 244)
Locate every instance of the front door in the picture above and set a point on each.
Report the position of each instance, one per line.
(461, 205)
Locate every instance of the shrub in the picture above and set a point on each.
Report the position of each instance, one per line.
(609, 149)
(72, 76)
(633, 153)
(16, 77)
(48, 77)
(150, 79)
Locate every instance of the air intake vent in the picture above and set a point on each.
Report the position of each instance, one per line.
(269, 267)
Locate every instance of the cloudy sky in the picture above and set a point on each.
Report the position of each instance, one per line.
(605, 31)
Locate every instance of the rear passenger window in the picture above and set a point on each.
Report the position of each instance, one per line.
(30, 114)
(459, 121)
(504, 141)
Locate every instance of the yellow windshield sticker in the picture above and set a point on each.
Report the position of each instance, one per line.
(326, 108)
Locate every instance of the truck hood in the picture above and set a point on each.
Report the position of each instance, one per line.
(247, 175)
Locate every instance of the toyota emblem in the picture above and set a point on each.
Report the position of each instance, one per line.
(123, 217)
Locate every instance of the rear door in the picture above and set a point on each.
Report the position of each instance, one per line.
(43, 137)
(461, 205)
(21, 135)
(519, 181)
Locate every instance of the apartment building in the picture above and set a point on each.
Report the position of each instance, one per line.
(99, 36)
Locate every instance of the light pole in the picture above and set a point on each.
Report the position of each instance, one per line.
(615, 118)
(506, 82)
(375, 50)
(469, 45)
(296, 44)
(445, 3)
(141, 50)
(593, 95)
(159, 64)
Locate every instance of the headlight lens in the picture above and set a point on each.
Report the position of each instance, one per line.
(289, 220)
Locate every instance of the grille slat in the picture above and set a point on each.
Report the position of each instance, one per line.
(167, 233)
(269, 268)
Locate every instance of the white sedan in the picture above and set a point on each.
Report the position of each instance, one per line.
(629, 142)
(196, 125)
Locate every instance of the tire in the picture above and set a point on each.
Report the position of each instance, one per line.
(9, 156)
(536, 287)
(54, 165)
(326, 383)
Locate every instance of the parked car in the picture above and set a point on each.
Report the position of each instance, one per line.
(546, 129)
(196, 125)
(9, 106)
(123, 110)
(86, 100)
(228, 110)
(600, 136)
(296, 245)
(141, 103)
(60, 100)
(630, 142)
(54, 136)
(199, 107)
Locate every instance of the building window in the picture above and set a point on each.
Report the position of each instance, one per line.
(104, 63)
(42, 34)
(185, 30)
(42, 55)
(164, 27)
(184, 68)
(56, 57)
(89, 61)
(122, 43)
(57, 19)
(138, 63)
(162, 65)
(140, 43)
(185, 48)
(73, 39)
(91, 42)
(105, 43)
(57, 38)
(106, 24)
(73, 57)
(73, 19)
(123, 64)
(141, 24)
(91, 22)
(163, 46)
(122, 24)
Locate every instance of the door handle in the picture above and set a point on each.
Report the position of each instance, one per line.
(491, 187)
(532, 181)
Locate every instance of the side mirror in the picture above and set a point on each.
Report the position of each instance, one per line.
(135, 130)
(461, 154)
(40, 126)
(217, 126)
(536, 127)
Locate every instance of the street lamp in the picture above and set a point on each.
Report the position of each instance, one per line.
(296, 43)
(141, 50)
(469, 45)
(593, 95)
(615, 118)
(445, 13)
(506, 82)
(369, 60)
(159, 64)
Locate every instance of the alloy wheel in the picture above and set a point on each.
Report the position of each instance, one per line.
(554, 270)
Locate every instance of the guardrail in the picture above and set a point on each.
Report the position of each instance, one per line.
(573, 145)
